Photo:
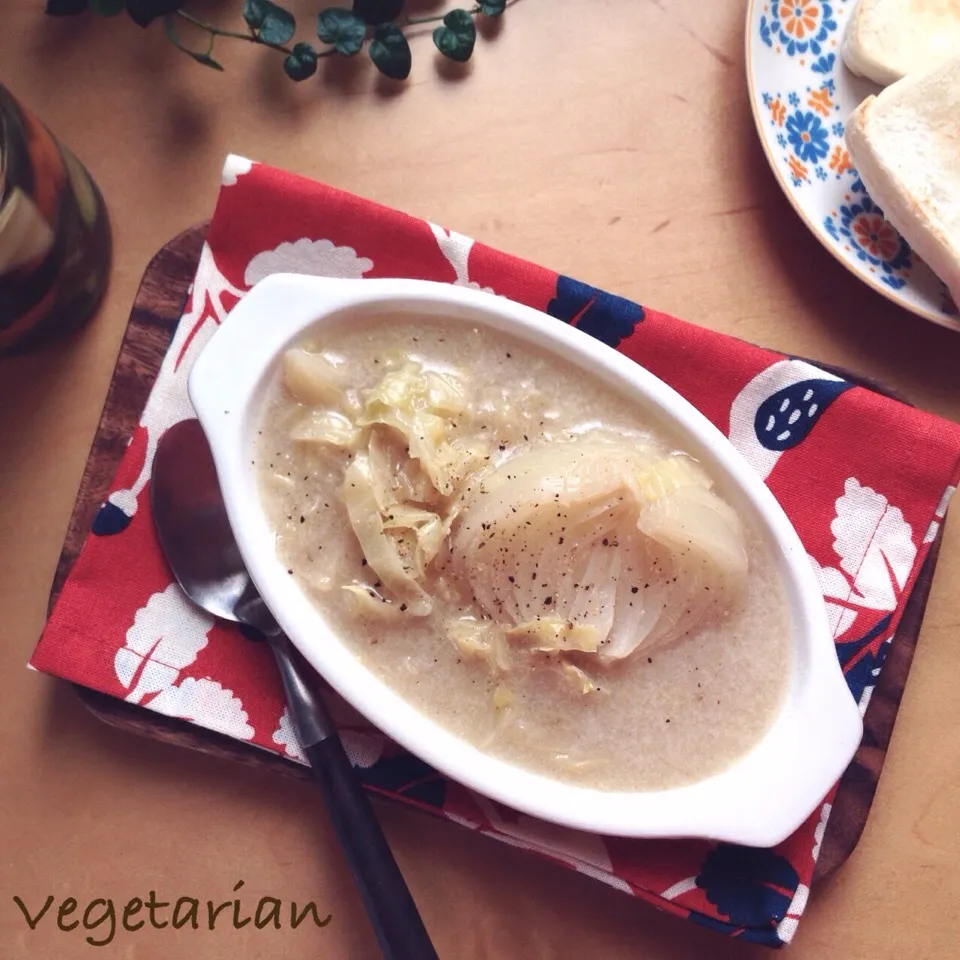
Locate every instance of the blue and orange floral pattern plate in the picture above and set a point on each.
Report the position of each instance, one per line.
(801, 94)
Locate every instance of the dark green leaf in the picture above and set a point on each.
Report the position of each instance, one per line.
(455, 39)
(492, 8)
(204, 58)
(272, 23)
(144, 12)
(343, 28)
(107, 8)
(278, 26)
(390, 51)
(302, 63)
(254, 12)
(375, 12)
(65, 8)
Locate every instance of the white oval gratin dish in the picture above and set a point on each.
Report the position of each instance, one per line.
(759, 800)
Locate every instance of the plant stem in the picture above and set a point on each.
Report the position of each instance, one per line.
(412, 21)
(247, 37)
(254, 36)
(218, 32)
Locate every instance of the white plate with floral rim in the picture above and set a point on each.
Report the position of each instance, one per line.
(801, 94)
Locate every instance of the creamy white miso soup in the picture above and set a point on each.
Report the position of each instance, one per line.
(508, 544)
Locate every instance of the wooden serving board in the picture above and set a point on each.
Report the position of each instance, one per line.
(153, 319)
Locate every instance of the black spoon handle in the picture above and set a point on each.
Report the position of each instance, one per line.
(392, 911)
(393, 914)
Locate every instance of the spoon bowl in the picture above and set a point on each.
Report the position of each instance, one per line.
(192, 525)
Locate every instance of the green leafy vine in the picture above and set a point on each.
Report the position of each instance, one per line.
(374, 24)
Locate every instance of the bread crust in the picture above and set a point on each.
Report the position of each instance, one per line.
(887, 39)
(875, 135)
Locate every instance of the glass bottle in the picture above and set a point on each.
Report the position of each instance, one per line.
(54, 234)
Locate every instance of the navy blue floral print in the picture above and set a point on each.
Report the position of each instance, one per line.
(604, 316)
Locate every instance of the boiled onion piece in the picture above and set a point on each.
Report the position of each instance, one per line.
(601, 539)
(312, 378)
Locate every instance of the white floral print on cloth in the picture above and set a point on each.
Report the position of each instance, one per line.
(164, 639)
(121, 627)
(319, 258)
(362, 747)
(234, 167)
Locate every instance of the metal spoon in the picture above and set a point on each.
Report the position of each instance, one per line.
(196, 538)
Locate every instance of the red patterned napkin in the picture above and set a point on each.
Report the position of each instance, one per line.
(865, 480)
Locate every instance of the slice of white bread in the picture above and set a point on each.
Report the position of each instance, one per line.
(887, 39)
(905, 144)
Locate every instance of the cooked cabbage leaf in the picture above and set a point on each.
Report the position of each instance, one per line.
(381, 551)
(580, 680)
(370, 604)
(552, 633)
(421, 405)
(397, 477)
(481, 640)
(326, 427)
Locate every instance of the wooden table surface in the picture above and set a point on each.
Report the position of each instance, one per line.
(609, 139)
